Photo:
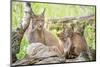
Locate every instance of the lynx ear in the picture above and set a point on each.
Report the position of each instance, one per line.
(43, 11)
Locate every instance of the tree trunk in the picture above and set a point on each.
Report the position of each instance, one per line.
(16, 36)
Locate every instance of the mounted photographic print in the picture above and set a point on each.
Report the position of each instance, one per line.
(52, 33)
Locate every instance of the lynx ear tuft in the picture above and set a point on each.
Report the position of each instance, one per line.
(43, 11)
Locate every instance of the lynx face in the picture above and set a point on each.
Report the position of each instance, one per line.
(68, 30)
(79, 28)
(38, 22)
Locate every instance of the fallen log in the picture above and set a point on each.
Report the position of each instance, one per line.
(69, 19)
(38, 53)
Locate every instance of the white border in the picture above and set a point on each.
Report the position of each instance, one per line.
(5, 33)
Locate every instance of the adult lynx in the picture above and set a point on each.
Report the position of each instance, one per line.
(37, 33)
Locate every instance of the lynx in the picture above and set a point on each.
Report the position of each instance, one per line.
(37, 33)
(74, 43)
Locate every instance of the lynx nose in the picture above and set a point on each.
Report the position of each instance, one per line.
(40, 25)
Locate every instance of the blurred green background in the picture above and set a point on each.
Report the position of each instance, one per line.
(53, 11)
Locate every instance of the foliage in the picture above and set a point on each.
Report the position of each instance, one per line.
(23, 46)
(53, 11)
(90, 36)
